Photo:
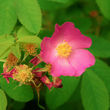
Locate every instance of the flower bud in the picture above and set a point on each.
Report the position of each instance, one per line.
(35, 61)
(37, 74)
(30, 48)
(47, 82)
(57, 82)
(94, 14)
(11, 60)
(6, 73)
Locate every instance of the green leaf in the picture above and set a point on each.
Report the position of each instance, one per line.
(103, 71)
(51, 5)
(22, 93)
(100, 47)
(30, 39)
(74, 103)
(7, 40)
(94, 93)
(15, 49)
(29, 14)
(60, 1)
(104, 6)
(25, 36)
(8, 16)
(14, 105)
(4, 51)
(23, 32)
(82, 23)
(3, 100)
(5, 44)
(59, 96)
(1, 67)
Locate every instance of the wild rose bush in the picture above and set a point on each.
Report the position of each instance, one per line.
(54, 55)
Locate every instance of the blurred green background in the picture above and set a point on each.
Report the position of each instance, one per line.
(91, 91)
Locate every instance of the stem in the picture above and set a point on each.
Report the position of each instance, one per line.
(25, 56)
(42, 70)
(40, 106)
(97, 31)
(38, 95)
(15, 36)
(99, 20)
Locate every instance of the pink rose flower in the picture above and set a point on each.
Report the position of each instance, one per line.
(66, 52)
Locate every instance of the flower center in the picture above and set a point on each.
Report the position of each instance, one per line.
(64, 49)
(23, 74)
(30, 49)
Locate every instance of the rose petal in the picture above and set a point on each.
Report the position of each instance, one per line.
(48, 52)
(81, 59)
(67, 32)
(62, 67)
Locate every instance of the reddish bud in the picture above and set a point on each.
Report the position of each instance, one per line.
(47, 82)
(35, 61)
(57, 82)
(93, 14)
(7, 74)
(37, 74)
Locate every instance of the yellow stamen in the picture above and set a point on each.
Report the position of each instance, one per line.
(30, 49)
(64, 49)
(24, 74)
(48, 67)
